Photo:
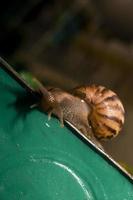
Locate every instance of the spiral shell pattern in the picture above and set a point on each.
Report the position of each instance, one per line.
(107, 116)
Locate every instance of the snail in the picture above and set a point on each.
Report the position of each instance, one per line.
(95, 110)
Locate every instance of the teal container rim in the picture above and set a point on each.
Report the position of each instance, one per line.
(8, 69)
(101, 152)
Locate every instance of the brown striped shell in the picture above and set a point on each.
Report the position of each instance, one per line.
(107, 116)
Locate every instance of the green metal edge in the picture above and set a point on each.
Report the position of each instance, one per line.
(40, 160)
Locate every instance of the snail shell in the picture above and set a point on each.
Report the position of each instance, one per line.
(107, 116)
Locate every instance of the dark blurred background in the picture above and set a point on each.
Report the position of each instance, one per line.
(68, 43)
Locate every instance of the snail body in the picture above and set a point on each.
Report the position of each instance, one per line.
(95, 110)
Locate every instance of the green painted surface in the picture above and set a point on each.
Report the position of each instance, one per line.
(40, 160)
